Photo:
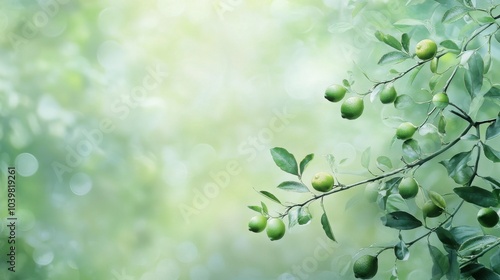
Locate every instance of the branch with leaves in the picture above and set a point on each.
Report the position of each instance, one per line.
(467, 73)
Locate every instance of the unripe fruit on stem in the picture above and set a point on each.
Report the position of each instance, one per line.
(352, 108)
(408, 188)
(405, 131)
(434, 65)
(388, 95)
(426, 49)
(431, 210)
(371, 191)
(275, 229)
(257, 223)
(335, 93)
(322, 182)
(487, 217)
(365, 267)
(440, 100)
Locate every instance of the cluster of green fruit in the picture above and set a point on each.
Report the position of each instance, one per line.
(352, 108)
(275, 227)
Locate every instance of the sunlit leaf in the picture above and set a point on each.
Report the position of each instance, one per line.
(257, 209)
(285, 160)
(411, 150)
(454, 14)
(304, 162)
(384, 162)
(304, 216)
(403, 102)
(293, 187)
(393, 57)
(270, 196)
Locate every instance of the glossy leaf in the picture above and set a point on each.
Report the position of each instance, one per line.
(440, 264)
(491, 153)
(257, 209)
(454, 14)
(405, 41)
(401, 220)
(493, 182)
(304, 216)
(403, 101)
(457, 167)
(437, 199)
(264, 208)
(270, 196)
(326, 227)
(401, 251)
(475, 245)
(477, 196)
(447, 238)
(411, 150)
(304, 162)
(493, 129)
(393, 57)
(293, 187)
(285, 160)
(384, 162)
(463, 233)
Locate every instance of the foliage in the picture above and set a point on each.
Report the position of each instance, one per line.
(462, 129)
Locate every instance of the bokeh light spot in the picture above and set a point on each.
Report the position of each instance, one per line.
(26, 164)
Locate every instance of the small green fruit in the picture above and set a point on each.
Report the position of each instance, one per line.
(275, 229)
(426, 49)
(405, 131)
(352, 108)
(335, 93)
(487, 217)
(365, 267)
(257, 223)
(440, 100)
(434, 65)
(388, 95)
(371, 191)
(322, 182)
(431, 210)
(408, 188)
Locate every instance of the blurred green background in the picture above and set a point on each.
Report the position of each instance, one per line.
(141, 130)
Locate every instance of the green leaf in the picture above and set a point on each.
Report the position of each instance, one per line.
(403, 102)
(411, 150)
(292, 186)
(440, 264)
(405, 41)
(304, 216)
(475, 245)
(293, 216)
(270, 196)
(384, 162)
(491, 153)
(477, 196)
(475, 105)
(257, 209)
(437, 199)
(487, 63)
(447, 238)
(393, 57)
(264, 208)
(449, 44)
(379, 35)
(474, 76)
(365, 158)
(414, 74)
(493, 129)
(454, 14)
(326, 226)
(393, 42)
(304, 162)
(457, 167)
(494, 182)
(395, 202)
(471, 268)
(433, 81)
(442, 124)
(470, 137)
(463, 233)
(392, 183)
(285, 160)
(401, 251)
(495, 261)
(497, 36)
(454, 270)
(401, 220)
